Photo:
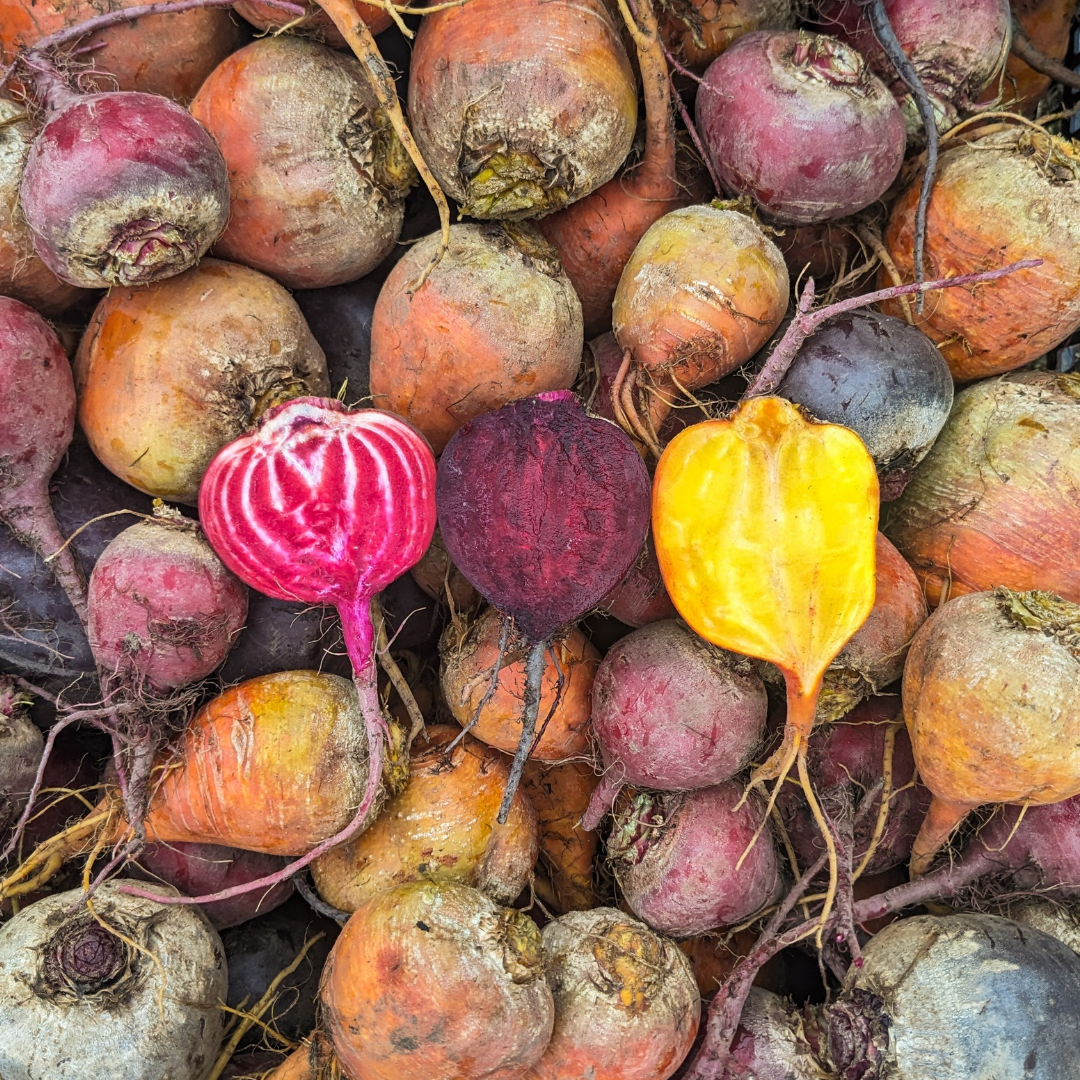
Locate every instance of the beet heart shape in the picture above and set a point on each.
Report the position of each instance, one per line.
(544, 509)
(325, 506)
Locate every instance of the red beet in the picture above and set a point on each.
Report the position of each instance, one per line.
(199, 869)
(955, 49)
(845, 759)
(121, 188)
(36, 425)
(675, 856)
(673, 713)
(800, 123)
(769, 1043)
(162, 605)
(641, 598)
(543, 509)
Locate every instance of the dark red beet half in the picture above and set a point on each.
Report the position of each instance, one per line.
(544, 509)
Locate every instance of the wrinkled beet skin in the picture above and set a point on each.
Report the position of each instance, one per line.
(200, 869)
(281, 635)
(883, 379)
(804, 150)
(674, 713)
(30, 598)
(101, 146)
(1042, 852)
(262, 948)
(849, 755)
(542, 508)
(685, 881)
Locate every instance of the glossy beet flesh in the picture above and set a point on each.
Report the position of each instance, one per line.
(543, 508)
(801, 124)
(883, 379)
(122, 189)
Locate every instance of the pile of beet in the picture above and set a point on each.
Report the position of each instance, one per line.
(537, 540)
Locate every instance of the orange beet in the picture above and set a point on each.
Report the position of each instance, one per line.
(467, 663)
(442, 827)
(435, 573)
(560, 794)
(496, 321)
(992, 705)
(168, 374)
(1008, 196)
(317, 188)
(316, 23)
(698, 31)
(277, 764)
(157, 54)
(436, 982)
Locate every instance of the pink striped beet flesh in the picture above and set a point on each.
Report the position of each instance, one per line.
(323, 505)
(543, 508)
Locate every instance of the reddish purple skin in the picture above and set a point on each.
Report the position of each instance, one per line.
(640, 598)
(163, 606)
(953, 47)
(849, 755)
(139, 148)
(543, 508)
(807, 148)
(680, 877)
(201, 869)
(672, 713)
(38, 417)
(1044, 849)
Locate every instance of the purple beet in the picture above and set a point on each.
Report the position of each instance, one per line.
(121, 188)
(36, 427)
(40, 633)
(673, 713)
(883, 379)
(201, 869)
(641, 598)
(543, 508)
(846, 759)
(769, 1042)
(801, 124)
(675, 857)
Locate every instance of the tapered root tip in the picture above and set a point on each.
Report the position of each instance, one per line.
(939, 824)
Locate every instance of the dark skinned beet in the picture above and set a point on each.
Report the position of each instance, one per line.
(543, 508)
(163, 607)
(850, 755)
(201, 869)
(281, 635)
(36, 426)
(40, 634)
(883, 379)
(769, 1042)
(340, 320)
(801, 124)
(965, 997)
(673, 713)
(262, 948)
(675, 858)
(121, 188)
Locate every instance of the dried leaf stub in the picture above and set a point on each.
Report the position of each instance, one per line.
(765, 528)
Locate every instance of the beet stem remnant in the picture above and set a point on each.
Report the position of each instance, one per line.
(887, 39)
(806, 321)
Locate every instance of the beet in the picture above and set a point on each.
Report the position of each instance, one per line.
(201, 869)
(21, 745)
(883, 379)
(955, 49)
(542, 508)
(845, 759)
(262, 948)
(413, 619)
(339, 318)
(163, 607)
(673, 713)
(675, 856)
(965, 997)
(282, 635)
(40, 634)
(121, 188)
(641, 598)
(801, 124)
